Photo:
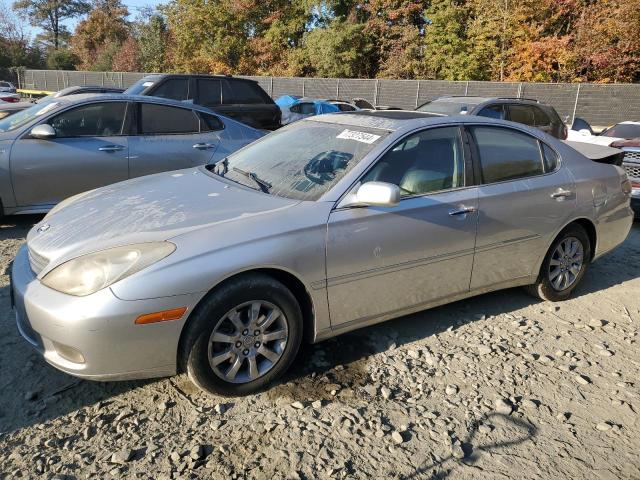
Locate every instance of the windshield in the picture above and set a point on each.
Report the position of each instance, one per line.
(301, 161)
(623, 130)
(141, 85)
(447, 107)
(25, 116)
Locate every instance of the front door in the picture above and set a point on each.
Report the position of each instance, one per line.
(386, 260)
(89, 151)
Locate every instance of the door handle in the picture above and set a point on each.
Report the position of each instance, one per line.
(462, 211)
(203, 146)
(111, 148)
(561, 194)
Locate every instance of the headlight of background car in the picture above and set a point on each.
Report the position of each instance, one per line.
(89, 273)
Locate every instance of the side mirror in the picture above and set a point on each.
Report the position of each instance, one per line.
(43, 132)
(374, 194)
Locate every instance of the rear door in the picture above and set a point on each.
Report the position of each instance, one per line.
(170, 138)
(90, 150)
(525, 196)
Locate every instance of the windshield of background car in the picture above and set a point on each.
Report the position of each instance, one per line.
(301, 161)
(623, 130)
(25, 116)
(444, 107)
(141, 85)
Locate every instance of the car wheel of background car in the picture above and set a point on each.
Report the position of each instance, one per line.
(564, 265)
(243, 336)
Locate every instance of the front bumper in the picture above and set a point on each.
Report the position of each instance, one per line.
(99, 326)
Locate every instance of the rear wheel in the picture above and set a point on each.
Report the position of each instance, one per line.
(564, 265)
(243, 336)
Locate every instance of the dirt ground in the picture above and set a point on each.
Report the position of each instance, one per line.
(499, 386)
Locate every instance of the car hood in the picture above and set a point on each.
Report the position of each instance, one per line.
(152, 208)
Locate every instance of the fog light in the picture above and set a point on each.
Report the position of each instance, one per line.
(68, 353)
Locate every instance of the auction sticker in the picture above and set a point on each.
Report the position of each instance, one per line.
(363, 137)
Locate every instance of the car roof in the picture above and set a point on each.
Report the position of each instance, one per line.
(87, 97)
(407, 120)
(198, 75)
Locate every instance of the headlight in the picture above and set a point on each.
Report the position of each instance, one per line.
(89, 273)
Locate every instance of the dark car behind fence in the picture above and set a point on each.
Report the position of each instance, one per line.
(599, 104)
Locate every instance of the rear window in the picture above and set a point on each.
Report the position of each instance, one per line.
(164, 119)
(244, 92)
(541, 118)
(623, 130)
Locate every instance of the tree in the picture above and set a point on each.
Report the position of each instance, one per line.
(48, 14)
(62, 60)
(152, 39)
(98, 38)
(16, 48)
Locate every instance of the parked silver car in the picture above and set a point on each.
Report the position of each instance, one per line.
(75, 143)
(324, 226)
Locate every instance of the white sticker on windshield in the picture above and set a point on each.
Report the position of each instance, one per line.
(363, 137)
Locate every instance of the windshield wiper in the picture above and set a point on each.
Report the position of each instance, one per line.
(263, 184)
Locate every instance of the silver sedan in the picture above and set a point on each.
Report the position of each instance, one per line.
(71, 144)
(325, 226)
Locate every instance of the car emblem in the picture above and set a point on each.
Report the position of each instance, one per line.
(44, 228)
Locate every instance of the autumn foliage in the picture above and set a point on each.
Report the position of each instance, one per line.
(524, 40)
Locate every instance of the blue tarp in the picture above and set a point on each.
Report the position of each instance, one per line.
(285, 102)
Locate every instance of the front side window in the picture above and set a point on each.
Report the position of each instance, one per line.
(428, 161)
(104, 119)
(506, 154)
(300, 161)
(521, 114)
(173, 88)
(492, 111)
(163, 119)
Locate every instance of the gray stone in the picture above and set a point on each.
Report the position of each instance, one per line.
(397, 437)
(503, 406)
(122, 456)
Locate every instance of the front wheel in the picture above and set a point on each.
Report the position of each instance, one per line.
(243, 336)
(564, 266)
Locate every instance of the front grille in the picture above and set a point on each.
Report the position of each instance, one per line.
(37, 262)
(632, 156)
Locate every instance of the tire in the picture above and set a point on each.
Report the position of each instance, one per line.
(242, 320)
(546, 286)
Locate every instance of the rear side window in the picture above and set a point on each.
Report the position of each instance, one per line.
(210, 123)
(506, 154)
(521, 114)
(209, 92)
(174, 88)
(345, 107)
(244, 92)
(492, 111)
(550, 158)
(102, 119)
(541, 118)
(162, 119)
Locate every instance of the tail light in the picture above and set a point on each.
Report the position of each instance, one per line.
(565, 132)
(10, 99)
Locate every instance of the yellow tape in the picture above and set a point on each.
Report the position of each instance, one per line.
(33, 92)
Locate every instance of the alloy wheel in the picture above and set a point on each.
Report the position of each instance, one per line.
(565, 264)
(248, 341)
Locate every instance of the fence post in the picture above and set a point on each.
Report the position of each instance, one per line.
(575, 105)
(418, 93)
(466, 88)
(520, 90)
(375, 94)
(271, 87)
(303, 82)
(337, 89)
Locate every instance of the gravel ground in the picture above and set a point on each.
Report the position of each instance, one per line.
(498, 386)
